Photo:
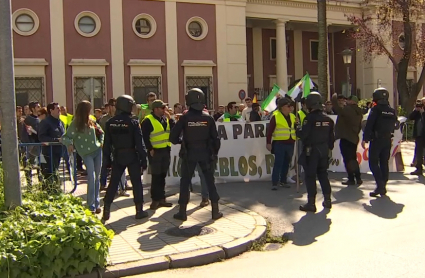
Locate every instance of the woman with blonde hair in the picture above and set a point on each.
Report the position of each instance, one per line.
(87, 137)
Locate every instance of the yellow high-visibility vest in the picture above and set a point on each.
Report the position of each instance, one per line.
(282, 130)
(302, 116)
(66, 120)
(159, 137)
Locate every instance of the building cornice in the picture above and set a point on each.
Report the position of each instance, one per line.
(146, 62)
(88, 62)
(340, 7)
(30, 62)
(198, 63)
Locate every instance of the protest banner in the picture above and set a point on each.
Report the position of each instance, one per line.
(243, 156)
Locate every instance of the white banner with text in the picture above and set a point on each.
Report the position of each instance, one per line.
(243, 156)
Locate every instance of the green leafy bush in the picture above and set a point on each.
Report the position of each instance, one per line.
(51, 236)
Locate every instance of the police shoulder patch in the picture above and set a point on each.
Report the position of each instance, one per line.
(305, 122)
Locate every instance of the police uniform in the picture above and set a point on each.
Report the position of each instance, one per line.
(156, 134)
(317, 135)
(379, 129)
(200, 144)
(123, 139)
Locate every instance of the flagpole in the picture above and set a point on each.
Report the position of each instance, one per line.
(296, 153)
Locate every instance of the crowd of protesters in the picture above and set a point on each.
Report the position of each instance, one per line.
(82, 134)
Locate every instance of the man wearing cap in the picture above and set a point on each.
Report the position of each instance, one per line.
(347, 128)
(156, 135)
(280, 141)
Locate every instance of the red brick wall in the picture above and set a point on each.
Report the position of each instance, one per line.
(79, 47)
(342, 41)
(37, 45)
(139, 48)
(189, 49)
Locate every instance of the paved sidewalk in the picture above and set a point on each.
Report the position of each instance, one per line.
(151, 244)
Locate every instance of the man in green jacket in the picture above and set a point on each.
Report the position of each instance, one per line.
(347, 128)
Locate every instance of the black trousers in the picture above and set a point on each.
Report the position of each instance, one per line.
(159, 164)
(349, 155)
(135, 172)
(187, 170)
(379, 156)
(419, 152)
(79, 162)
(316, 165)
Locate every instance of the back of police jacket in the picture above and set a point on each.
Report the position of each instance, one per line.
(317, 131)
(380, 123)
(200, 136)
(123, 138)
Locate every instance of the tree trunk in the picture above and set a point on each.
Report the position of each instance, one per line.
(407, 97)
(11, 173)
(323, 49)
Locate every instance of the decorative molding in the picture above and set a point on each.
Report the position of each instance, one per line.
(88, 62)
(96, 19)
(29, 13)
(145, 62)
(152, 22)
(204, 27)
(198, 63)
(30, 62)
(353, 8)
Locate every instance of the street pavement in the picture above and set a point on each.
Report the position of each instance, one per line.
(360, 237)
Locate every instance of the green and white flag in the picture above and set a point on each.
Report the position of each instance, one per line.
(269, 103)
(302, 89)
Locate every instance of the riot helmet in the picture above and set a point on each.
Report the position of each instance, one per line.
(380, 94)
(195, 99)
(314, 101)
(124, 104)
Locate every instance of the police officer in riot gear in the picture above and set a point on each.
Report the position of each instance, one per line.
(123, 140)
(379, 130)
(200, 144)
(317, 135)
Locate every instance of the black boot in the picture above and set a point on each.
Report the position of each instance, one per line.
(140, 214)
(310, 206)
(205, 202)
(380, 190)
(106, 212)
(181, 215)
(163, 204)
(327, 203)
(216, 214)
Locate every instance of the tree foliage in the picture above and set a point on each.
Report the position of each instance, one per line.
(375, 29)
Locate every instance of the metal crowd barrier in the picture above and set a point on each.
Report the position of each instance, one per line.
(32, 158)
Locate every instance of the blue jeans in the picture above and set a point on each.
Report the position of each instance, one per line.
(93, 163)
(282, 158)
(204, 187)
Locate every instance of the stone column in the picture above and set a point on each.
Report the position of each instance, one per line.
(281, 62)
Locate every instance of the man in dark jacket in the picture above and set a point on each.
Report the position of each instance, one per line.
(347, 128)
(51, 129)
(417, 115)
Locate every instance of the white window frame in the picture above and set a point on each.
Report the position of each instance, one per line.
(309, 48)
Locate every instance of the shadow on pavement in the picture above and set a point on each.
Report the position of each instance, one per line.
(349, 194)
(156, 235)
(309, 227)
(384, 207)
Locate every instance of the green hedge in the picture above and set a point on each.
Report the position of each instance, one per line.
(51, 236)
